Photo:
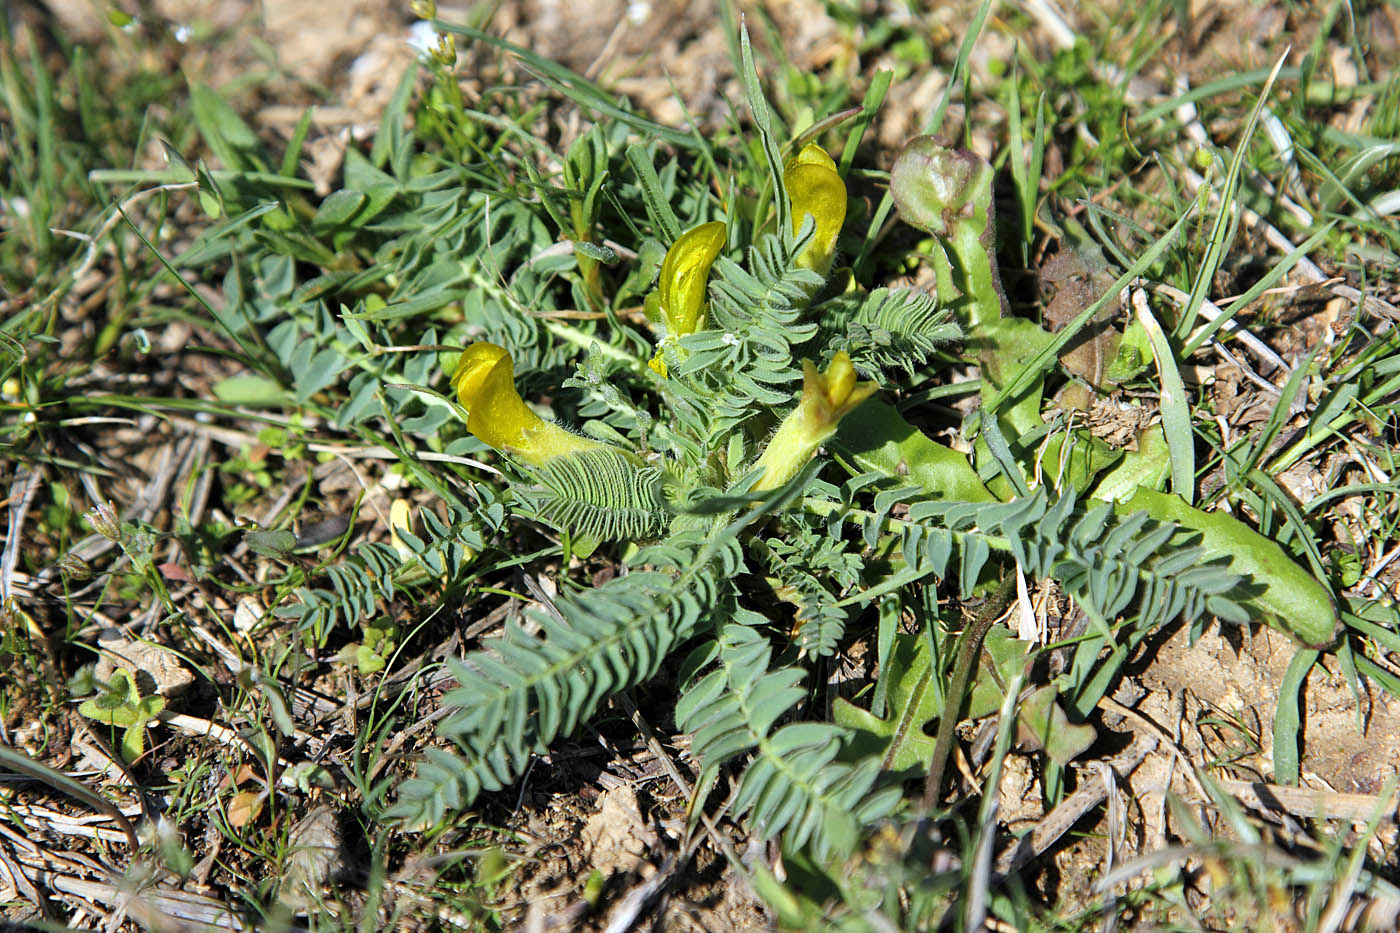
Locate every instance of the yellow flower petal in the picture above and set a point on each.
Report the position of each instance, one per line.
(839, 379)
(815, 187)
(485, 384)
(826, 398)
(685, 274)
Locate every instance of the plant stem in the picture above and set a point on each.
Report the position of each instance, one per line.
(969, 647)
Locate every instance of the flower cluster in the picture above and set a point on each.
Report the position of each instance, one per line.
(485, 375)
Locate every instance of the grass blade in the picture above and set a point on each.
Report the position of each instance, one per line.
(1288, 719)
(1176, 409)
(1222, 233)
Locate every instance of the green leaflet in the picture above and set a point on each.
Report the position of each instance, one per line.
(1279, 591)
(250, 389)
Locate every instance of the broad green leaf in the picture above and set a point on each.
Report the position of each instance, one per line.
(1133, 356)
(1002, 656)
(118, 704)
(1276, 590)
(1144, 467)
(916, 697)
(1004, 348)
(879, 440)
(133, 743)
(1046, 721)
(1075, 458)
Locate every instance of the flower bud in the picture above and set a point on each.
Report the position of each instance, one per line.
(933, 186)
(103, 519)
(826, 398)
(74, 567)
(948, 192)
(679, 300)
(685, 274)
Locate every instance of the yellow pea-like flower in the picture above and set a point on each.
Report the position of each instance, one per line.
(679, 300)
(815, 187)
(826, 398)
(485, 384)
(685, 274)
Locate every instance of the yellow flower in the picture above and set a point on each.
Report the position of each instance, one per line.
(485, 384)
(814, 187)
(685, 274)
(679, 299)
(826, 398)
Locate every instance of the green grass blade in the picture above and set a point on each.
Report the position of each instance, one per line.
(1176, 407)
(869, 107)
(656, 203)
(1288, 722)
(292, 156)
(1227, 221)
(763, 120)
(1258, 288)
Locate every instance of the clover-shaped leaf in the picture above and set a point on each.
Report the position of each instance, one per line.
(119, 703)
